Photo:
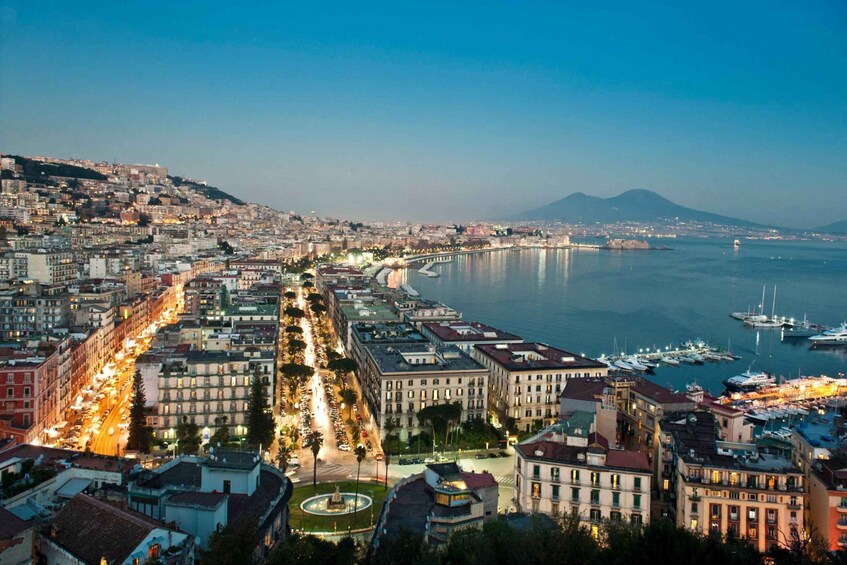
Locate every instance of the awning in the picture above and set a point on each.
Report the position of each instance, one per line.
(73, 487)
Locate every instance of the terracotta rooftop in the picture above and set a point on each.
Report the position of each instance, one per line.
(458, 331)
(531, 356)
(93, 530)
(477, 481)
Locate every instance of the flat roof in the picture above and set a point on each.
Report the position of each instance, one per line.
(531, 356)
(460, 331)
(390, 358)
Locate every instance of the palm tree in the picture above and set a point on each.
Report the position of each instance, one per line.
(349, 396)
(360, 456)
(317, 443)
(285, 452)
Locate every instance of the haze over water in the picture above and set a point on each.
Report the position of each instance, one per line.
(585, 301)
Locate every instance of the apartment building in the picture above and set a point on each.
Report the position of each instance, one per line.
(49, 267)
(568, 468)
(527, 379)
(722, 487)
(36, 390)
(204, 385)
(29, 309)
(400, 380)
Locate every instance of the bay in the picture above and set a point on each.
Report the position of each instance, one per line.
(588, 301)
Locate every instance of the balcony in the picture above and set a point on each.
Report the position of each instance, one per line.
(842, 508)
(841, 524)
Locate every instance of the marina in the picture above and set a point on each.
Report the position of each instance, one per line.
(691, 352)
(656, 299)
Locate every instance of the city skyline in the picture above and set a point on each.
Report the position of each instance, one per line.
(437, 113)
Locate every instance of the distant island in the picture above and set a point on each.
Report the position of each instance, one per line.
(631, 245)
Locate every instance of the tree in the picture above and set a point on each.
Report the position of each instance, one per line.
(188, 436)
(307, 276)
(296, 346)
(308, 284)
(234, 544)
(317, 308)
(341, 367)
(361, 452)
(439, 417)
(311, 550)
(286, 450)
(314, 297)
(293, 330)
(221, 435)
(349, 396)
(260, 424)
(317, 443)
(290, 295)
(139, 433)
(294, 312)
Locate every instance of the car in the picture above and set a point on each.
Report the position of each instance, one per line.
(111, 431)
(493, 455)
(429, 460)
(405, 461)
(344, 447)
(502, 454)
(480, 456)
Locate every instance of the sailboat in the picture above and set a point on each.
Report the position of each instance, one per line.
(767, 322)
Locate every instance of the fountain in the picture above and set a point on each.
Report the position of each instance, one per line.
(336, 504)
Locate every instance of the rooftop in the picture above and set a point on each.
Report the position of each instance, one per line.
(387, 332)
(560, 452)
(420, 358)
(92, 530)
(529, 356)
(459, 331)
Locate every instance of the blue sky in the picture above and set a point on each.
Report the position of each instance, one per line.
(442, 112)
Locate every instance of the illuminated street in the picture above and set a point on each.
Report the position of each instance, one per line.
(107, 423)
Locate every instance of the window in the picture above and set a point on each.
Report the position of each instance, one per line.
(636, 484)
(536, 471)
(554, 474)
(227, 486)
(595, 515)
(616, 499)
(10, 392)
(536, 490)
(595, 497)
(26, 392)
(635, 519)
(615, 516)
(636, 501)
(575, 476)
(752, 514)
(771, 516)
(555, 492)
(595, 478)
(575, 494)
(616, 481)
(733, 513)
(153, 552)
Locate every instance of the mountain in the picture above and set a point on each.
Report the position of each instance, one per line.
(837, 227)
(637, 205)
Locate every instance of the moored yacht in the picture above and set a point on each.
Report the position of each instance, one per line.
(749, 380)
(835, 336)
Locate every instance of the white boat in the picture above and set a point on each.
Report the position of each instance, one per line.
(667, 360)
(835, 336)
(686, 359)
(709, 356)
(623, 365)
(636, 364)
(696, 356)
(749, 380)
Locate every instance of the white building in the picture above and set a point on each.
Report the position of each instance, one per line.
(569, 469)
(527, 378)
